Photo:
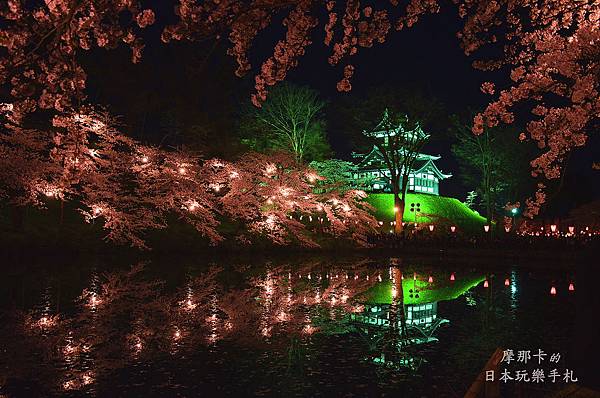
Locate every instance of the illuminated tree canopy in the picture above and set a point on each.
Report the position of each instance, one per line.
(551, 49)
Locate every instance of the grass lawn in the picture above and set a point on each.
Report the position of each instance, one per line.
(433, 209)
(439, 290)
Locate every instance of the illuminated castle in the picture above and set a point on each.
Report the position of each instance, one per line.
(372, 175)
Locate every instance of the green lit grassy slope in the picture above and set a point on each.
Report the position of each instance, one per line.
(439, 290)
(434, 209)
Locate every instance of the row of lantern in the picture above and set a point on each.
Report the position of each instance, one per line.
(486, 284)
(486, 228)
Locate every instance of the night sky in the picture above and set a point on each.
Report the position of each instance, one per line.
(199, 78)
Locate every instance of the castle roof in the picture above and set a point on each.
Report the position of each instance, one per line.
(423, 162)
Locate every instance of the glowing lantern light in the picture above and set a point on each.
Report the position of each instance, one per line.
(553, 291)
(430, 279)
(396, 209)
(486, 284)
(486, 228)
(571, 287)
(431, 227)
(87, 379)
(453, 229)
(68, 385)
(69, 349)
(553, 227)
(452, 277)
(144, 159)
(415, 276)
(507, 282)
(177, 334)
(181, 170)
(571, 230)
(507, 229)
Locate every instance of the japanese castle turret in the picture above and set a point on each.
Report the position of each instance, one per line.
(372, 175)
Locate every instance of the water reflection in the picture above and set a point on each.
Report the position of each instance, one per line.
(388, 315)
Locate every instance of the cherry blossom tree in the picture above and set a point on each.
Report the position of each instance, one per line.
(274, 196)
(551, 48)
(132, 188)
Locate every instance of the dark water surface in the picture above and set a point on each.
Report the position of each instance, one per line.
(314, 327)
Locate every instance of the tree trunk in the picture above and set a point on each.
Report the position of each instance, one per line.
(398, 212)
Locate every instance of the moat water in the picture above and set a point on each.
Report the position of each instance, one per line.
(313, 327)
